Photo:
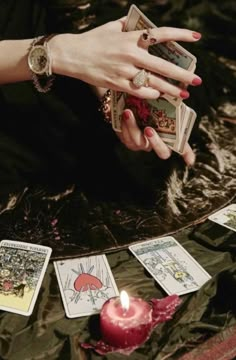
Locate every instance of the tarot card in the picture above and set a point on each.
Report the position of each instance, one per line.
(176, 271)
(162, 116)
(170, 50)
(182, 119)
(225, 217)
(117, 107)
(23, 266)
(85, 284)
(187, 120)
(159, 113)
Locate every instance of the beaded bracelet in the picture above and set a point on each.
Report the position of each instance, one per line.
(106, 106)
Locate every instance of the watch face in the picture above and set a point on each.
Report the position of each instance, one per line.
(38, 59)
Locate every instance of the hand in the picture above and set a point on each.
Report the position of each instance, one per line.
(109, 58)
(132, 137)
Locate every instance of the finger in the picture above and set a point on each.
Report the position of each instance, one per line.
(164, 68)
(163, 34)
(188, 155)
(126, 85)
(160, 148)
(157, 85)
(126, 139)
(116, 25)
(166, 87)
(158, 65)
(134, 131)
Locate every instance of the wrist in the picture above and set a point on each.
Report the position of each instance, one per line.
(39, 62)
(61, 61)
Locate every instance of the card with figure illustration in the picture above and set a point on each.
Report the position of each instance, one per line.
(85, 284)
(225, 217)
(159, 113)
(176, 271)
(23, 266)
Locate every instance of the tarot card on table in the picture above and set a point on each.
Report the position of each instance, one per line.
(225, 217)
(23, 266)
(85, 284)
(176, 271)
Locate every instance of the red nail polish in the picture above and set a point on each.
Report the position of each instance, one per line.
(184, 94)
(197, 81)
(196, 35)
(149, 132)
(126, 115)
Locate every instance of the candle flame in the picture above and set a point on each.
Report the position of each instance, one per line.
(124, 299)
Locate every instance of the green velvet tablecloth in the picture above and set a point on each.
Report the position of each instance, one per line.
(175, 199)
(204, 322)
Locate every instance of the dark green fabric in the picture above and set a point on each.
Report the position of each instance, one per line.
(48, 334)
(48, 172)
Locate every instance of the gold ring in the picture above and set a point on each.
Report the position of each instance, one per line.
(141, 79)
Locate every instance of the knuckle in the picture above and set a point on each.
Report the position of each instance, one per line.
(165, 31)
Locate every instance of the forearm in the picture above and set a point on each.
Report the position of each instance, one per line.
(13, 61)
(14, 58)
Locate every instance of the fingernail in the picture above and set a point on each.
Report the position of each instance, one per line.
(149, 132)
(184, 94)
(196, 35)
(126, 115)
(197, 81)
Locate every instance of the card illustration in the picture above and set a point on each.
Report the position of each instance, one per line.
(225, 217)
(21, 272)
(170, 265)
(85, 284)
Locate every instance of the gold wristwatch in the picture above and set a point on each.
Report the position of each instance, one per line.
(39, 61)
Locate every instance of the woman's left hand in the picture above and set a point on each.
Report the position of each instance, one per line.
(136, 140)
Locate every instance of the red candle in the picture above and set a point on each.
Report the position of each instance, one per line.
(125, 322)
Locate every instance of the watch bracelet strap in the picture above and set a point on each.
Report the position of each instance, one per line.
(43, 83)
(38, 83)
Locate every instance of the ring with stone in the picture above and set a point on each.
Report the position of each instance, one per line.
(147, 39)
(152, 39)
(141, 79)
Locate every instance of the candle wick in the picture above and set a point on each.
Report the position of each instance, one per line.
(125, 310)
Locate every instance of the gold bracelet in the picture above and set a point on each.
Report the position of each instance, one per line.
(106, 106)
